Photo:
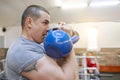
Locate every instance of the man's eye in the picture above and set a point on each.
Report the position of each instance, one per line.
(45, 23)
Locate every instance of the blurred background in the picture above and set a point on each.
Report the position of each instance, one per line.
(96, 21)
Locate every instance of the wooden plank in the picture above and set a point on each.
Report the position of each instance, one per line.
(109, 68)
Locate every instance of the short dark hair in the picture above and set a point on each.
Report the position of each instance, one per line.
(32, 11)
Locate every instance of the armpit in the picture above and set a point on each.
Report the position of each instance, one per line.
(30, 67)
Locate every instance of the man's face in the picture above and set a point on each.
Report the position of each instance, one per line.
(40, 27)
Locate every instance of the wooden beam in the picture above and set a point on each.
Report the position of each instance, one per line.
(109, 68)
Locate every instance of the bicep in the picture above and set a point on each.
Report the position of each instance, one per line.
(44, 69)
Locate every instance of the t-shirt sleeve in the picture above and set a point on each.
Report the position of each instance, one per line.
(30, 57)
(25, 56)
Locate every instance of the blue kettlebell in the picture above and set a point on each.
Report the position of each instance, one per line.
(58, 43)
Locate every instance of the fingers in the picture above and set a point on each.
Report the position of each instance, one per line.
(61, 25)
(65, 27)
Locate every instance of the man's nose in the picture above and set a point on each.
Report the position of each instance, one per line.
(48, 27)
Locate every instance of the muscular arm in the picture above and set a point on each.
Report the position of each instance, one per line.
(47, 69)
(73, 67)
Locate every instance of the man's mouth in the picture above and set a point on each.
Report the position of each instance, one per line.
(44, 35)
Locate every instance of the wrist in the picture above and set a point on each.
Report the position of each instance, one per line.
(72, 33)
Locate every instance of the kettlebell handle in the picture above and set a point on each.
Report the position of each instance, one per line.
(74, 38)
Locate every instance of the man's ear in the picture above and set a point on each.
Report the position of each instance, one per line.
(28, 22)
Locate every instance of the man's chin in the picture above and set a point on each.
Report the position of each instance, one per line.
(42, 40)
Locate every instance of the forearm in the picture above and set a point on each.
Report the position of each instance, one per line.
(77, 71)
(70, 67)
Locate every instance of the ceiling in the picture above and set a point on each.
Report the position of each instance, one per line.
(11, 11)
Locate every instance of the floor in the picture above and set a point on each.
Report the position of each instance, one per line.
(115, 76)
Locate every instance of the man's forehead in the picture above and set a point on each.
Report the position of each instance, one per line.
(45, 16)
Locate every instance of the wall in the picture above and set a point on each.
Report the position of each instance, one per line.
(108, 34)
(1, 38)
(11, 35)
(107, 56)
(1, 41)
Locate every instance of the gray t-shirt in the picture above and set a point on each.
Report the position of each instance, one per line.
(20, 55)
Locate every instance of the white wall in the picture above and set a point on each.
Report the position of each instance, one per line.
(11, 35)
(108, 34)
(1, 38)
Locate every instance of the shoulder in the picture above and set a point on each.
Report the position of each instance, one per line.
(23, 54)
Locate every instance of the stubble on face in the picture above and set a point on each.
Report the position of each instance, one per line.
(43, 26)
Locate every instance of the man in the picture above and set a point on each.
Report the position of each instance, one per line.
(91, 62)
(26, 58)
